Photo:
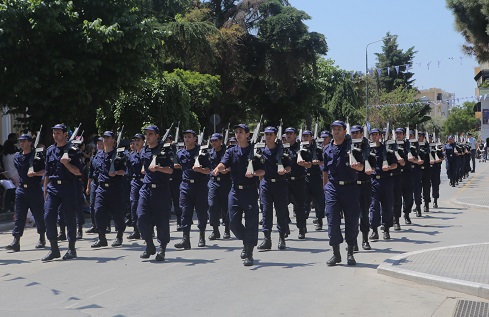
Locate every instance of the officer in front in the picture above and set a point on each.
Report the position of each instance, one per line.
(109, 199)
(28, 194)
(134, 166)
(154, 207)
(243, 197)
(193, 190)
(63, 170)
(342, 193)
(219, 187)
(382, 188)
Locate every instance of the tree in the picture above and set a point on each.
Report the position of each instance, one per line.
(391, 57)
(461, 119)
(472, 21)
(61, 60)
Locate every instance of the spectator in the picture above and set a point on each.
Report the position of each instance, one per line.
(10, 149)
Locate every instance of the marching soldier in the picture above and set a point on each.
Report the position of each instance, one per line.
(342, 194)
(425, 170)
(435, 175)
(108, 199)
(175, 181)
(451, 160)
(93, 183)
(193, 190)
(273, 190)
(63, 170)
(219, 187)
(29, 193)
(134, 166)
(406, 176)
(154, 209)
(243, 197)
(416, 172)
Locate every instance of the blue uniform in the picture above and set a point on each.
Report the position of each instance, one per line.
(243, 197)
(297, 186)
(435, 176)
(342, 195)
(219, 187)
(382, 191)
(451, 162)
(407, 181)
(175, 181)
(426, 174)
(273, 191)
(62, 193)
(92, 174)
(193, 190)
(109, 199)
(28, 195)
(154, 208)
(134, 165)
(314, 189)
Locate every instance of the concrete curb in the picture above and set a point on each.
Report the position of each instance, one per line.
(469, 205)
(389, 268)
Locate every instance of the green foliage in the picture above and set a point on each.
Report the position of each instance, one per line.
(461, 119)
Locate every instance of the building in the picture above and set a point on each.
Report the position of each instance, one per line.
(440, 100)
(482, 107)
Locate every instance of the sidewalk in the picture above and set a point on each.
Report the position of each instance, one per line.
(463, 268)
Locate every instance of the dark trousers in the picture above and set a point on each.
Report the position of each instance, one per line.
(416, 177)
(347, 199)
(80, 217)
(426, 184)
(194, 196)
(472, 156)
(93, 188)
(452, 170)
(314, 192)
(175, 196)
(382, 196)
(407, 192)
(274, 194)
(218, 200)
(109, 202)
(134, 198)
(63, 199)
(365, 201)
(154, 209)
(435, 181)
(397, 205)
(297, 191)
(26, 198)
(244, 202)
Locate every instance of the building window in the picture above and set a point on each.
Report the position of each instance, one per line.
(438, 96)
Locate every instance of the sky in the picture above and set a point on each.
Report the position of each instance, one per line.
(428, 25)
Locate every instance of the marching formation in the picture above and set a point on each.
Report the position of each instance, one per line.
(369, 178)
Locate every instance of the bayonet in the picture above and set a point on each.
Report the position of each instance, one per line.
(254, 139)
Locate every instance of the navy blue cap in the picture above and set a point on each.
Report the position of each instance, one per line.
(152, 128)
(338, 123)
(25, 137)
(421, 133)
(242, 126)
(216, 136)
(291, 130)
(451, 137)
(232, 139)
(108, 133)
(100, 139)
(271, 130)
(374, 130)
(356, 128)
(307, 132)
(169, 137)
(325, 134)
(411, 132)
(60, 126)
(190, 131)
(401, 130)
(430, 135)
(138, 136)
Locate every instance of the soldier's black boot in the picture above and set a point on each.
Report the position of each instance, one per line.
(227, 233)
(62, 233)
(71, 253)
(243, 253)
(397, 225)
(365, 244)
(407, 219)
(15, 245)
(336, 258)
(92, 229)
(435, 203)
(281, 241)
(79, 232)
(374, 235)
(185, 242)
(248, 260)
(267, 241)
(202, 239)
(150, 249)
(179, 224)
(319, 224)
(53, 253)
(215, 233)
(350, 260)
(418, 211)
(135, 234)
(387, 235)
(426, 207)
(101, 241)
(118, 240)
(42, 241)
(302, 233)
(160, 256)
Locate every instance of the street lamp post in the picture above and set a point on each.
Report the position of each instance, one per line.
(366, 79)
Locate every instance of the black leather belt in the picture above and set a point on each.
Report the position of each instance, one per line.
(220, 178)
(364, 182)
(296, 178)
(192, 181)
(29, 185)
(381, 177)
(154, 185)
(310, 174)
(107, 185)
(62, 181)
(274, 180)
(342, 183)
(241, 187)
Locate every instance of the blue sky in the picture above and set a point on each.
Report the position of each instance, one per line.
(427, 25)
